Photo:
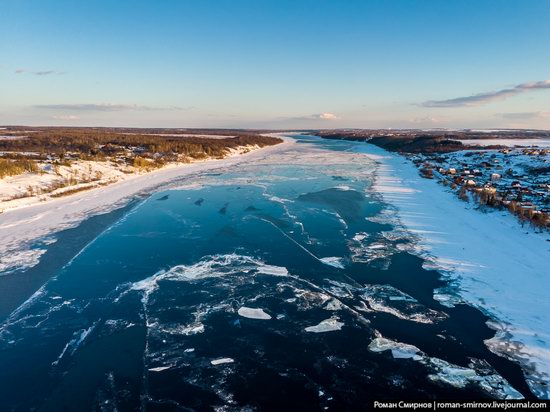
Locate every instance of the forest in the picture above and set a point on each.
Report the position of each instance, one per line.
(20, 147)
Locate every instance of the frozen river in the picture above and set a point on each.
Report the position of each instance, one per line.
(273, 284)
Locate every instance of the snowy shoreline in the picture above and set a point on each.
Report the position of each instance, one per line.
(20, 227)
(13, 189)
(491, 261)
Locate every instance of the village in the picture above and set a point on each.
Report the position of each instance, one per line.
(516, 179)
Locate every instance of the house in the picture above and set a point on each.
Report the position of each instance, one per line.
(427, 172)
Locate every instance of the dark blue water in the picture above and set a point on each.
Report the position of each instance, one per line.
(155, 313)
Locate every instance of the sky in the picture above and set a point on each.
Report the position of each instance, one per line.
(276, 64)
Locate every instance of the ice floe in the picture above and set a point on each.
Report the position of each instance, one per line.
(221, 361)
(327, 325)
(333, 261)
(272, 270)
(387, 299)
(186, 330)
(253, 313)
(304, 299)
(159, 368)
(375, 250)
(18, 260)
(77, 339)
(486, 378)
(479, 373)
(209, 266)
(279, 199)
(334, 305)
(398, 350)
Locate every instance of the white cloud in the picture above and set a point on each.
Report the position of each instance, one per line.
(484, 98)
(525, 115)
(106, 107)
(65, 117)
(428, 120)
(38, 72)
(320, 116)
(328, 116)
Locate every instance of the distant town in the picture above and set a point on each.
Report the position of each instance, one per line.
(501, 169)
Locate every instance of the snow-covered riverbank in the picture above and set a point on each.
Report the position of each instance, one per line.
(53, 181)
(494, 263)
(20, 226)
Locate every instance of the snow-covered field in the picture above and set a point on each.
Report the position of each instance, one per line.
(30, 188)
(10, 137)
(207, 136)
(494, 263)
(508, 142)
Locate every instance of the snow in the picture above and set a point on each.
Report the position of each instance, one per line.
(10, 137)
(497, 265)
(507, 142)
(327, 325)
(253, 313)
(207, 136)
(14, 190)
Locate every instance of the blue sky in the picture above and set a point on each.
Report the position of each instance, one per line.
(276, 64)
